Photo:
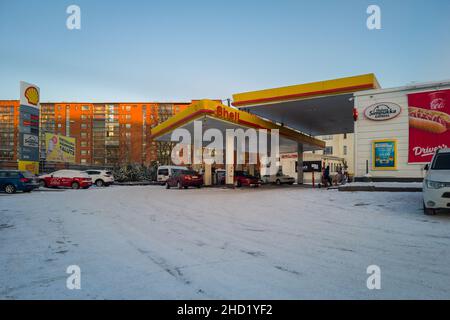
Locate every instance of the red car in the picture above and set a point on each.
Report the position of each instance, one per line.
(243, 178)
(184, 179)
(66, 178)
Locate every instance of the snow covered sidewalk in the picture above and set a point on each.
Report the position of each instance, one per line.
(146, 242)
(382, 186)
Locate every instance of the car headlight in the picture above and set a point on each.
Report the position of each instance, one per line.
(434, 184)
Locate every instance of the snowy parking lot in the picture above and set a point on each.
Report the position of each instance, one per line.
(145, 242)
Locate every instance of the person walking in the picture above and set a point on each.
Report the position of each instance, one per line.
(327, 175)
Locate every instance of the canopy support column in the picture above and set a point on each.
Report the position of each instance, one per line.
(300, 163)
(207, 176)
(229, 163)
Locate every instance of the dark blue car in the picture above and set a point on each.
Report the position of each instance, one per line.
(15, 180)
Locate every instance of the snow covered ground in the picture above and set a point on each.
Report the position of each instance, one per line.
(290, 243)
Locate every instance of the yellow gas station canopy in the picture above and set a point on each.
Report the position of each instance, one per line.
(216, 115)
(316, 108)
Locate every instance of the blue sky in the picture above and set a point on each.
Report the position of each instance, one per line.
(181, 50)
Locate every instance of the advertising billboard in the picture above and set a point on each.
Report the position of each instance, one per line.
(31, 166)
(59, 148)
(429, 124)
(28, 144)
(310, 166)
(384, 155)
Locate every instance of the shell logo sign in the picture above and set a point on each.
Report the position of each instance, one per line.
(29, 94)
(32, 95)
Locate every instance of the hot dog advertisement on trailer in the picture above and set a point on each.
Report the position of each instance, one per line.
(399, 130)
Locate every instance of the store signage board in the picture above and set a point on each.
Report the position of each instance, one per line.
(429, 124)
(382, 111)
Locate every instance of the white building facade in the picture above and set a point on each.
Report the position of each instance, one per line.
(383, 149)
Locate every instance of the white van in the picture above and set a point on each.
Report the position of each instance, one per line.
(164, 172)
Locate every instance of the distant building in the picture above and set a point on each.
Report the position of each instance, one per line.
(339, 146)
(107, 134)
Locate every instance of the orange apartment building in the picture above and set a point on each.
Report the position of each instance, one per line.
(107, 134)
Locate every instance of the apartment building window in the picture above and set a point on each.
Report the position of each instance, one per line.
(84, 143)
(128, 117)
(128, 134)
(85, 108)
(128, 126)
(83, 126)
(328, 150)
(345, 150)
(83, 117)
(83, 134)
(59, 125)
(83, 161)
(328, 137)
(83, 152)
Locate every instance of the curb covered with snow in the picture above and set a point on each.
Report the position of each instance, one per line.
(383, 186)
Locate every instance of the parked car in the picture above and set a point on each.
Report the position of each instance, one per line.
(15, 180)
(184, 179)
(164, 172)
(74, 179)
(101, 177)
(279, 178)
(436, 185)
(243, 178)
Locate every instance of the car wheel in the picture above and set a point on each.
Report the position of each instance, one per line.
(167, 185)
(42, 184)
(179, 185)
(99, 183)
(9, 188)
(428, 211)
(278, 182)
(75, 185)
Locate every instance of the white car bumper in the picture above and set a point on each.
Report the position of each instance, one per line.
(436, 198)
